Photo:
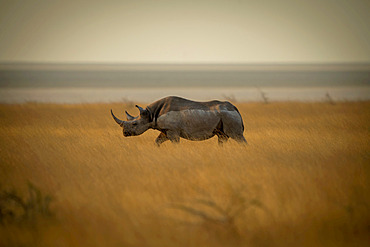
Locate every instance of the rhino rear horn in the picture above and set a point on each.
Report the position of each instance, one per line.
(120, 122)
(140, 109)
(129, 117)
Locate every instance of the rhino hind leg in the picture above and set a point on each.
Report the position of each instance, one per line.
(233, 127)
(222, 138)
(240, 139)
(161, 138)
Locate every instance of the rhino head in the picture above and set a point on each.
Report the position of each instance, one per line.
(135, 125)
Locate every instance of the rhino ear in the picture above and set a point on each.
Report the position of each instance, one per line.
(129, 117)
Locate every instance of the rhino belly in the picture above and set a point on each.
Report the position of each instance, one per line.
(190, 124)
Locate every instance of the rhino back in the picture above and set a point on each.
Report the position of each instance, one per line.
(174, 103)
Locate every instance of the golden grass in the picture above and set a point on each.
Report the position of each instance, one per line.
(303, 180)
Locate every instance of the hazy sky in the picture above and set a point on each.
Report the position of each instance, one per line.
(200, 31)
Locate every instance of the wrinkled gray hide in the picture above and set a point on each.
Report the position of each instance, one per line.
(177, 117)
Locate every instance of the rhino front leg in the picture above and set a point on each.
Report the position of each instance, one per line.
(161, 138)
(173, 136)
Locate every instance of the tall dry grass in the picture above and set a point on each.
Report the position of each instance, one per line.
(303, 180)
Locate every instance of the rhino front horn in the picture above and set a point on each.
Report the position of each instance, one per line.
(120, 122)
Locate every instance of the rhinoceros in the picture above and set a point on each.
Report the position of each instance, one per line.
(177, 117)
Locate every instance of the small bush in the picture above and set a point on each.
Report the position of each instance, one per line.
(15, 208)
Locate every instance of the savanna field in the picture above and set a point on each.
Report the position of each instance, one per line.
(69, 178)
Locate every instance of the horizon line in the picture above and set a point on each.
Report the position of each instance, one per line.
(28, 65)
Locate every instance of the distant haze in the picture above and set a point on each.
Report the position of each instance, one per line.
(203, 31)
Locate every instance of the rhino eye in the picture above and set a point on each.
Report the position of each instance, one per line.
(134, 124)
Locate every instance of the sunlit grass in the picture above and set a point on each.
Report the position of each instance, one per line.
(303, 180)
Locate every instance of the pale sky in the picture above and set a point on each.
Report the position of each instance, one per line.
(200, 31)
